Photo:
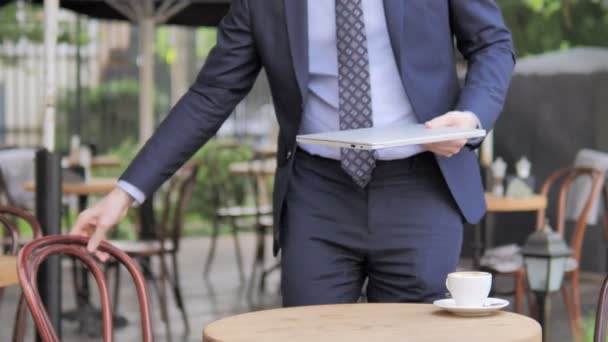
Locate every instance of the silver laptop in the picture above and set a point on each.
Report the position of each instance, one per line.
(376, 138)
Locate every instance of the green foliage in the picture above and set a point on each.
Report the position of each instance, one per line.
(110, 113)
(206, 38)
(12, 29)
(539, 26)
(214, 179)
(27, 21)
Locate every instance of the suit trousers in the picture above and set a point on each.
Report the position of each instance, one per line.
(402, 233)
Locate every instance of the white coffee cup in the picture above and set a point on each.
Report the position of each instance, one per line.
(469, 289)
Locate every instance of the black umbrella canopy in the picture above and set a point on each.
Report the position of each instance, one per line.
(191, 12)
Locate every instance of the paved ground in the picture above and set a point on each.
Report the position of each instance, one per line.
(222, 296)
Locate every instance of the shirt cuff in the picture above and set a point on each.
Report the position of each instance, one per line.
(133, 191)
(475, 141)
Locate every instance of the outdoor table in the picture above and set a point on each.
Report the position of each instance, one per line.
(268, 151)
(105, 161)
(259, 168)
(8, 271)
(496, 204)
(371, 322)
(506, 204)
(95, 186)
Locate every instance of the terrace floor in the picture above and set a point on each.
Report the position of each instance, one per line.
(222, 296)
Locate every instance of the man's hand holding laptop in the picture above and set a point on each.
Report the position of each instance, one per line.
(451, 119)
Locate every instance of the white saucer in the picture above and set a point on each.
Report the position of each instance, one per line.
(491, 305)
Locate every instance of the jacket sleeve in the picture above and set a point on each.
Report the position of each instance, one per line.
(227, 76)
(486, 44)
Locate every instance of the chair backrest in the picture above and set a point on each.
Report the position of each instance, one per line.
(11, 231)
(601, 314)
(175, 202)
(566, 177)
(15, 213)
(35, 252)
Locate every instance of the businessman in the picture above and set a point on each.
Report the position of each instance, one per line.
(393, 217)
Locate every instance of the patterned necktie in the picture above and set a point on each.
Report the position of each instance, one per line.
(354, 86)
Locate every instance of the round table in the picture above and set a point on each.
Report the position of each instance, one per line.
(8, 271)
(507, 204)
(257, 168)
(371, 322)
(484, 235)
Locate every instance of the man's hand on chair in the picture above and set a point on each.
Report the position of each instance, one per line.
(97, 220)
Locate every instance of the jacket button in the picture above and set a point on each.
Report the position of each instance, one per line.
(288, 155)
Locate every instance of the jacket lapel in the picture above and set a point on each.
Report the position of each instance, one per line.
(297, 28)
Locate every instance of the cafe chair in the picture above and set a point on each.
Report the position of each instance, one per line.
(37, 251)
(230, 209)
(9, 218)
(15, 214)
(561, 182)
(601, 314)
(175, 202)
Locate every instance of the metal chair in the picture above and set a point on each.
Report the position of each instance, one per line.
(36, 251)
(176, 201)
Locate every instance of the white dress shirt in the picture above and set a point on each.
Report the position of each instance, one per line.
(390, 104)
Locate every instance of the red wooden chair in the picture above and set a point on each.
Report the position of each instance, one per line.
(9, 218)
(35, 252)
(601, 314)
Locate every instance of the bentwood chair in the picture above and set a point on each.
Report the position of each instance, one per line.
(229, 200)
(37, 251)
(10, 217)
(175, 202)
(601, 314)
(561, 181)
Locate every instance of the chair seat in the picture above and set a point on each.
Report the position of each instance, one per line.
(142, 248)
(237, 211)
(508, 259)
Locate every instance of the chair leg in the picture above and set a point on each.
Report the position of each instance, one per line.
(519, 292)
(576, 307)
(163, 287)
(177, 293)
(237, 251)
(116, 288)
(160, 290)
(214, 235)
(19, 325)
(569, 309)
(258, 264)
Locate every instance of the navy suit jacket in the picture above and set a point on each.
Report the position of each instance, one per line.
(273, 34)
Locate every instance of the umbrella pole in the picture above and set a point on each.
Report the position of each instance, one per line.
(147, 27)
(48, 174)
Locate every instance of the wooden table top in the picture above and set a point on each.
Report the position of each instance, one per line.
(371, 322)
(506, 204)
(8, 271)
(101, 161)
(256, 167)
(105, 161)
(95, 186)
